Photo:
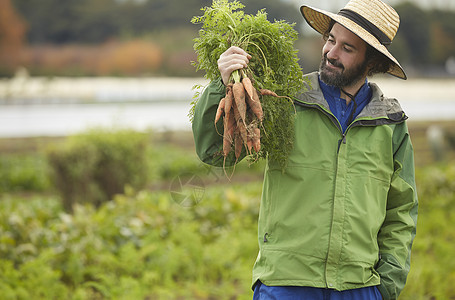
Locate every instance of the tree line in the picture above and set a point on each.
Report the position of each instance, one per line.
(89, 21)
(32, 33)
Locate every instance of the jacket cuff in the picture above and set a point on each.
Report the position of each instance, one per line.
(219, 85)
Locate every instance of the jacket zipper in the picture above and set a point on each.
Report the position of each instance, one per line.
(331, 116)
(354, 123)
(342, 140)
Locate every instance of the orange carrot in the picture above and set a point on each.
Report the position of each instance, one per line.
(257, 139)
(228, 134)
(249, 143)
(241, 125)
(220, 110)
(266, 92)
(229, 128)
(236, 112)
(248, 86)
(243, 132)
(238, 145)
(228, 99)
(252, 122)
(255, 105)
(239, 98)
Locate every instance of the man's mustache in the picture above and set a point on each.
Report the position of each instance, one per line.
(333, 62)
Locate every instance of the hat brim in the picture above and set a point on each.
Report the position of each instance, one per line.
(320, 19)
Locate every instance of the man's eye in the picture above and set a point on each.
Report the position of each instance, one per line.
(347, 49)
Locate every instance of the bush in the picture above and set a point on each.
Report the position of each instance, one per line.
(23, 172)
(95, 165)
(169, 162)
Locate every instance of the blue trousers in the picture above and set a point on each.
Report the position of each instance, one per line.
(264, 292)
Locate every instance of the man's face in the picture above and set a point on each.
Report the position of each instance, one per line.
(343, 61)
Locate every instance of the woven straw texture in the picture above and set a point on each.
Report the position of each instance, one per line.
(377, 12)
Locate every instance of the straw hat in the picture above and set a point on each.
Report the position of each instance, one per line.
(373, 21)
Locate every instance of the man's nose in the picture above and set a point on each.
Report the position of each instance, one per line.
(332, 53)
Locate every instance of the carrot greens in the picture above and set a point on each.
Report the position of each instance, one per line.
(274, 66)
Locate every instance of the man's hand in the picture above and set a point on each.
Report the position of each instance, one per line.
(232, 59)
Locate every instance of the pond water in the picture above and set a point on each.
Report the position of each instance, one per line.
(59, 117)
(66, 119)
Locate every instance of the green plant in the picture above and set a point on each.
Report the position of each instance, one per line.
(166, 162)
(273, 66)
(97, 164)
(137, 246)
(274, 63)
(144, 245)
(432, 262)
(22, 172)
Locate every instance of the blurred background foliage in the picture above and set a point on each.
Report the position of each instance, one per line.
(154, 37)
(94, 166)
(141, 243)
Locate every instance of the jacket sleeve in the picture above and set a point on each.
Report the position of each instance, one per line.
(399, 228)
(208, 138)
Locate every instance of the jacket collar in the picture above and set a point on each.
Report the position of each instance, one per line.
(379, 107)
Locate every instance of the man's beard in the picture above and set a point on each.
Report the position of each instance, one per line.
(341, 77)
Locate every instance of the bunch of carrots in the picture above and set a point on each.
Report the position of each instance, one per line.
(256, 125)
(243, 115)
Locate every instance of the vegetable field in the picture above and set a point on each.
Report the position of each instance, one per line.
(143, 244)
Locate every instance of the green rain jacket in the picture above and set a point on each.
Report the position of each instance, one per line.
(343, 213)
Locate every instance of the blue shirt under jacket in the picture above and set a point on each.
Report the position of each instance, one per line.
(338, 105)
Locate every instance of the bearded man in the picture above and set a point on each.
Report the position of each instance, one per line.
(339, 221)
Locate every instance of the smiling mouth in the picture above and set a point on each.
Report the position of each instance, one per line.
(330, 65)
(333, 65)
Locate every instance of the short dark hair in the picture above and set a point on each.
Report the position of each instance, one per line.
(377, 62)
